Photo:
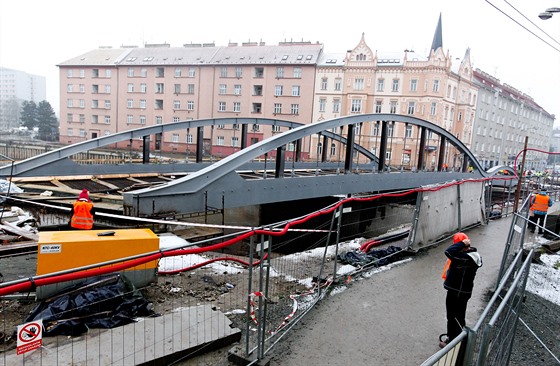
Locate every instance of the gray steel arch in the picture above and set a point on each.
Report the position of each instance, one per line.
(219, 186)
(56, 162)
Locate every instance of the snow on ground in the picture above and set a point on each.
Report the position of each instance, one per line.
(544, 279)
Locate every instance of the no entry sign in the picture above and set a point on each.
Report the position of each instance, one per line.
(29, 336)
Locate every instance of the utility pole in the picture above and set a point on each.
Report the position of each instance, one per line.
(520, 176)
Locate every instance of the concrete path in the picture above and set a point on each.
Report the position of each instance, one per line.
(393, 317)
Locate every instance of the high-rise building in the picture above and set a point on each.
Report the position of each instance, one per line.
(16, 87)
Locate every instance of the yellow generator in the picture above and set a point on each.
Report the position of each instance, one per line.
(64, 250)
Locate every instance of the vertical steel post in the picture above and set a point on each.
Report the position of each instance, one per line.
(520, 176)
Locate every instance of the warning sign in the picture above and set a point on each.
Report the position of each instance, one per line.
(29, 336)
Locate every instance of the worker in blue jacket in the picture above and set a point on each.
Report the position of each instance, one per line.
(463, 263)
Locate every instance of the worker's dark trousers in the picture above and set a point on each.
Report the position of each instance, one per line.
(536, 219)
(456, 305)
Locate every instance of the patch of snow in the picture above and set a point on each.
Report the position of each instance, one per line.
(544, 280)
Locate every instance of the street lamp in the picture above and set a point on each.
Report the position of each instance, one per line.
(547, 14)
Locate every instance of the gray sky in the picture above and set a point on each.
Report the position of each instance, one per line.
(36, 35)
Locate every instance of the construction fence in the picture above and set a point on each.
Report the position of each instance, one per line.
(230, 297)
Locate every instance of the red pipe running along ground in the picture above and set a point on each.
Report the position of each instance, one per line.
(31, 283)
(212, 261)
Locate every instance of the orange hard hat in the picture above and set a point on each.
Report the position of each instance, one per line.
(459, 237)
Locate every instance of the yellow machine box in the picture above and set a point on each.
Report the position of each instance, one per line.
(63, 250)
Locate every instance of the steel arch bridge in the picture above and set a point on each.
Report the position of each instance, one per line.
(224, 184)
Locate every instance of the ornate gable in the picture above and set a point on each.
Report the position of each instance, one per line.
(361, 53)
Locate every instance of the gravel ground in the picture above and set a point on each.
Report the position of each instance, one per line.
(543, 319)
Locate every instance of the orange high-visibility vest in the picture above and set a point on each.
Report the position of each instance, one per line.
(540, 203)
(82, 218)
(445, 269)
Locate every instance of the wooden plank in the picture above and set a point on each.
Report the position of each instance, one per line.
(162, 340)
(6, 226)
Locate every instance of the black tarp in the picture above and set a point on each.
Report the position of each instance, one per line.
(379, 257)
(97, 302)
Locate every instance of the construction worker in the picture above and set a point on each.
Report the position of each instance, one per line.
(540, 203)
(82, 212)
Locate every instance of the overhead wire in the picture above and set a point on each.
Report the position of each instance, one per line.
(524, 27)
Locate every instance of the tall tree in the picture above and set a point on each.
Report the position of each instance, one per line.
(47, 122)
(29, 116)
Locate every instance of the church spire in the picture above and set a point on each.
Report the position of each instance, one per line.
(438, 37)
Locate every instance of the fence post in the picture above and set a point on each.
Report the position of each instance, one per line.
(412, 235)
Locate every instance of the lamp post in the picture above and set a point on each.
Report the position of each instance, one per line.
(548, 13)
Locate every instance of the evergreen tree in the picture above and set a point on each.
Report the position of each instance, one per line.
(29, 116)
(47, 122)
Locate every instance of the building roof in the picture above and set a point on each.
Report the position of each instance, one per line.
(98, 57)
(251, 53)
(331, 59)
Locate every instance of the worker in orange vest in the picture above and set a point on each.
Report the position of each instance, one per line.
(539, 208)
(82, 212)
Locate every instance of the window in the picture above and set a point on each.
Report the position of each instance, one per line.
(237, 106)
(223, 72)
(69, 73)
(336, 106)
(295, 109)
(189, 138)
(190, 89)
(159, 88)
(190, 105)
(82, 88)
(107, 120)
(380, 85)
(359, 84)
(376, 129)
(95, 118)
(393, 107)
(82, 103)
(221, 106)
(436, 86)
(338, 84)
(277, 108)
(130, 88)
(143, 103)
(222, 89)
(235, 141)
(324, 83)
(143, 88)
(159, 120)
(95, 89)
(129, 119)
(237, 89)
(176, 104)
(275, 128)
(297, 72)
(259, 72)
(95, 103)
(395, 85)
(333, 149)
(378, 105)
(129, 103)
(256, 127)
(192, 72)
(108, 89)
(143, 72)
(160, 72)
(70, 103)
(220, 140)
(278, 90)
(69, 88)
(69, 117)
(319, 148)
(411, 106)
(177, 88)
(176, 119)
(322, 104)
(175, 138)
(295, 91)
(279, 72)
(257, 107)
(70, 132)
(433, 109)
(82, 118)
(391, 129)
(356, 106)
(158, 104)
(107, 104)
(177, 72)
(413, 85)
(408, 131)
(107, 132)
(82, 132)
(220, 126)
(130, 72)
(238, 72)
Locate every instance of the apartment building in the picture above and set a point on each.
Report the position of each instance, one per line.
(107, 90)
(505, 116)
(16, 87)
(431, 88)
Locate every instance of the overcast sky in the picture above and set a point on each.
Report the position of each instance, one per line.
(36, 35)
